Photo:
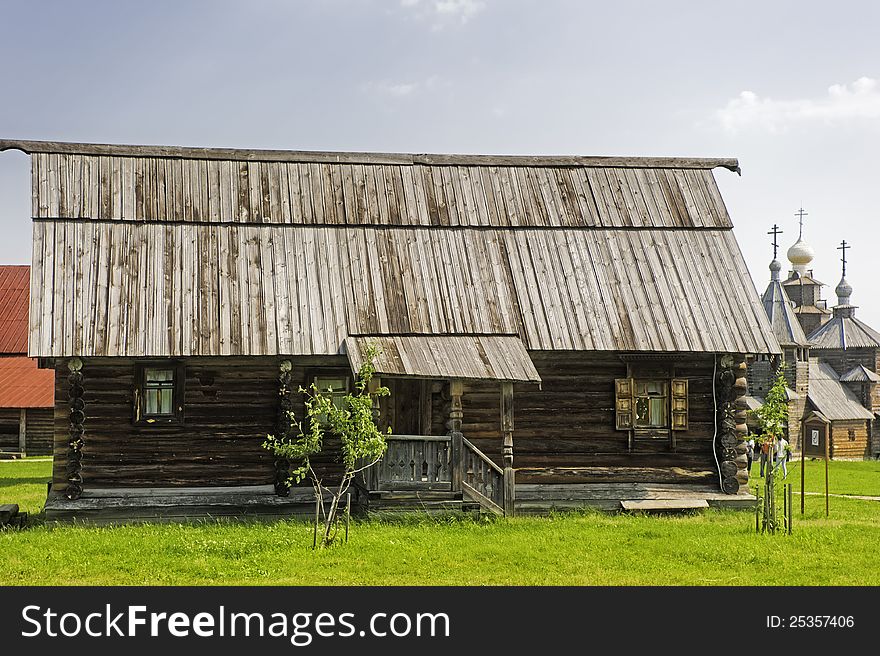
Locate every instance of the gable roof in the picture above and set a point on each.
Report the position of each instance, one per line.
(786, 328)
(832, 399)
(14, 289)
(170, 251)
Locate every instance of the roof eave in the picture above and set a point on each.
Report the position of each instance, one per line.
(258, 155)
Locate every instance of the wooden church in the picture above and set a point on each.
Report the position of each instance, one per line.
(555, 331)
(829, 359)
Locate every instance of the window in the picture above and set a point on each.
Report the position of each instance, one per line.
(336, 387)
(651, 403)
(159, 393)
(851, 434)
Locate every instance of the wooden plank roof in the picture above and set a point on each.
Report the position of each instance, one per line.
(860, 374)
(14, 291)
(144, 253)
(505, 192)
(832, 399)
(844, 331)
(783, 320)
(480, 357)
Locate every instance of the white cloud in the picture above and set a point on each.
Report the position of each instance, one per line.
(442, 12)
(859, 100)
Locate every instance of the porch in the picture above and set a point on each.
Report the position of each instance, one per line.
(449, 473)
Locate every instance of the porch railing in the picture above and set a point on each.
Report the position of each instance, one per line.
(481, 479)
(414, 462)
(449, 463)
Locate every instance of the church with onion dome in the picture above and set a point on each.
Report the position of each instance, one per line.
(830, 359)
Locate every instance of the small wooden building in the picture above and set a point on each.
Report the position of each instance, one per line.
(849, 423)
(26, 393)
(555, 331)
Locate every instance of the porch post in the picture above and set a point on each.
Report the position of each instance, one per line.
(75, 441)
(22, 432)
(454, 425)
(507, 447)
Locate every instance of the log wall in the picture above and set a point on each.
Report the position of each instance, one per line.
(10, 420)
(569, 423)
(38, 430)
(842, 446)
(229, 408)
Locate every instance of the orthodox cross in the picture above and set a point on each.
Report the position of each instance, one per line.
(775, 232)
(801, 214)
(843, 248)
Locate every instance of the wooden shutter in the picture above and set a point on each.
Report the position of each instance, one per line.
(679, 404)
(623, 403)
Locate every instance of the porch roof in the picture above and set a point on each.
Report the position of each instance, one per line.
(480, 357)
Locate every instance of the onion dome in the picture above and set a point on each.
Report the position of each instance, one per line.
(775, 268)
(800, 255)
(844, 291)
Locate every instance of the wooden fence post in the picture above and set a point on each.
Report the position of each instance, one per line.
(507, 447)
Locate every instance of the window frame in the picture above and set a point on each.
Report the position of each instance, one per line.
(312, 376)
(140, 418)
(666, 384)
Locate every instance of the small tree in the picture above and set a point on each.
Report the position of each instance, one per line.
(362, 443)
(773, 420)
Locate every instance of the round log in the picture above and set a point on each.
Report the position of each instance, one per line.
(728, 469)
(730, 485)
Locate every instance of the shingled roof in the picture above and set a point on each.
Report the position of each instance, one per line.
(155, 251)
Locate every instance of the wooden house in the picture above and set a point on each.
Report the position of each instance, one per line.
(555, 331)
(27, 394)
(848, 421)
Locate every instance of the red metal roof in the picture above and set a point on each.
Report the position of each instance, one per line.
(14, 295)
(22, 385)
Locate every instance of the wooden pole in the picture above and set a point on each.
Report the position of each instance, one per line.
(757, 509)
(317, 517)
(803, 466)
(347, 513)
(790, 511)
(827, 440)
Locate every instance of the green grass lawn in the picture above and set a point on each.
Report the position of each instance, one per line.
(714, 548)
(862, 478)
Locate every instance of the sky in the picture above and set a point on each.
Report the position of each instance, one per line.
(792, 89)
